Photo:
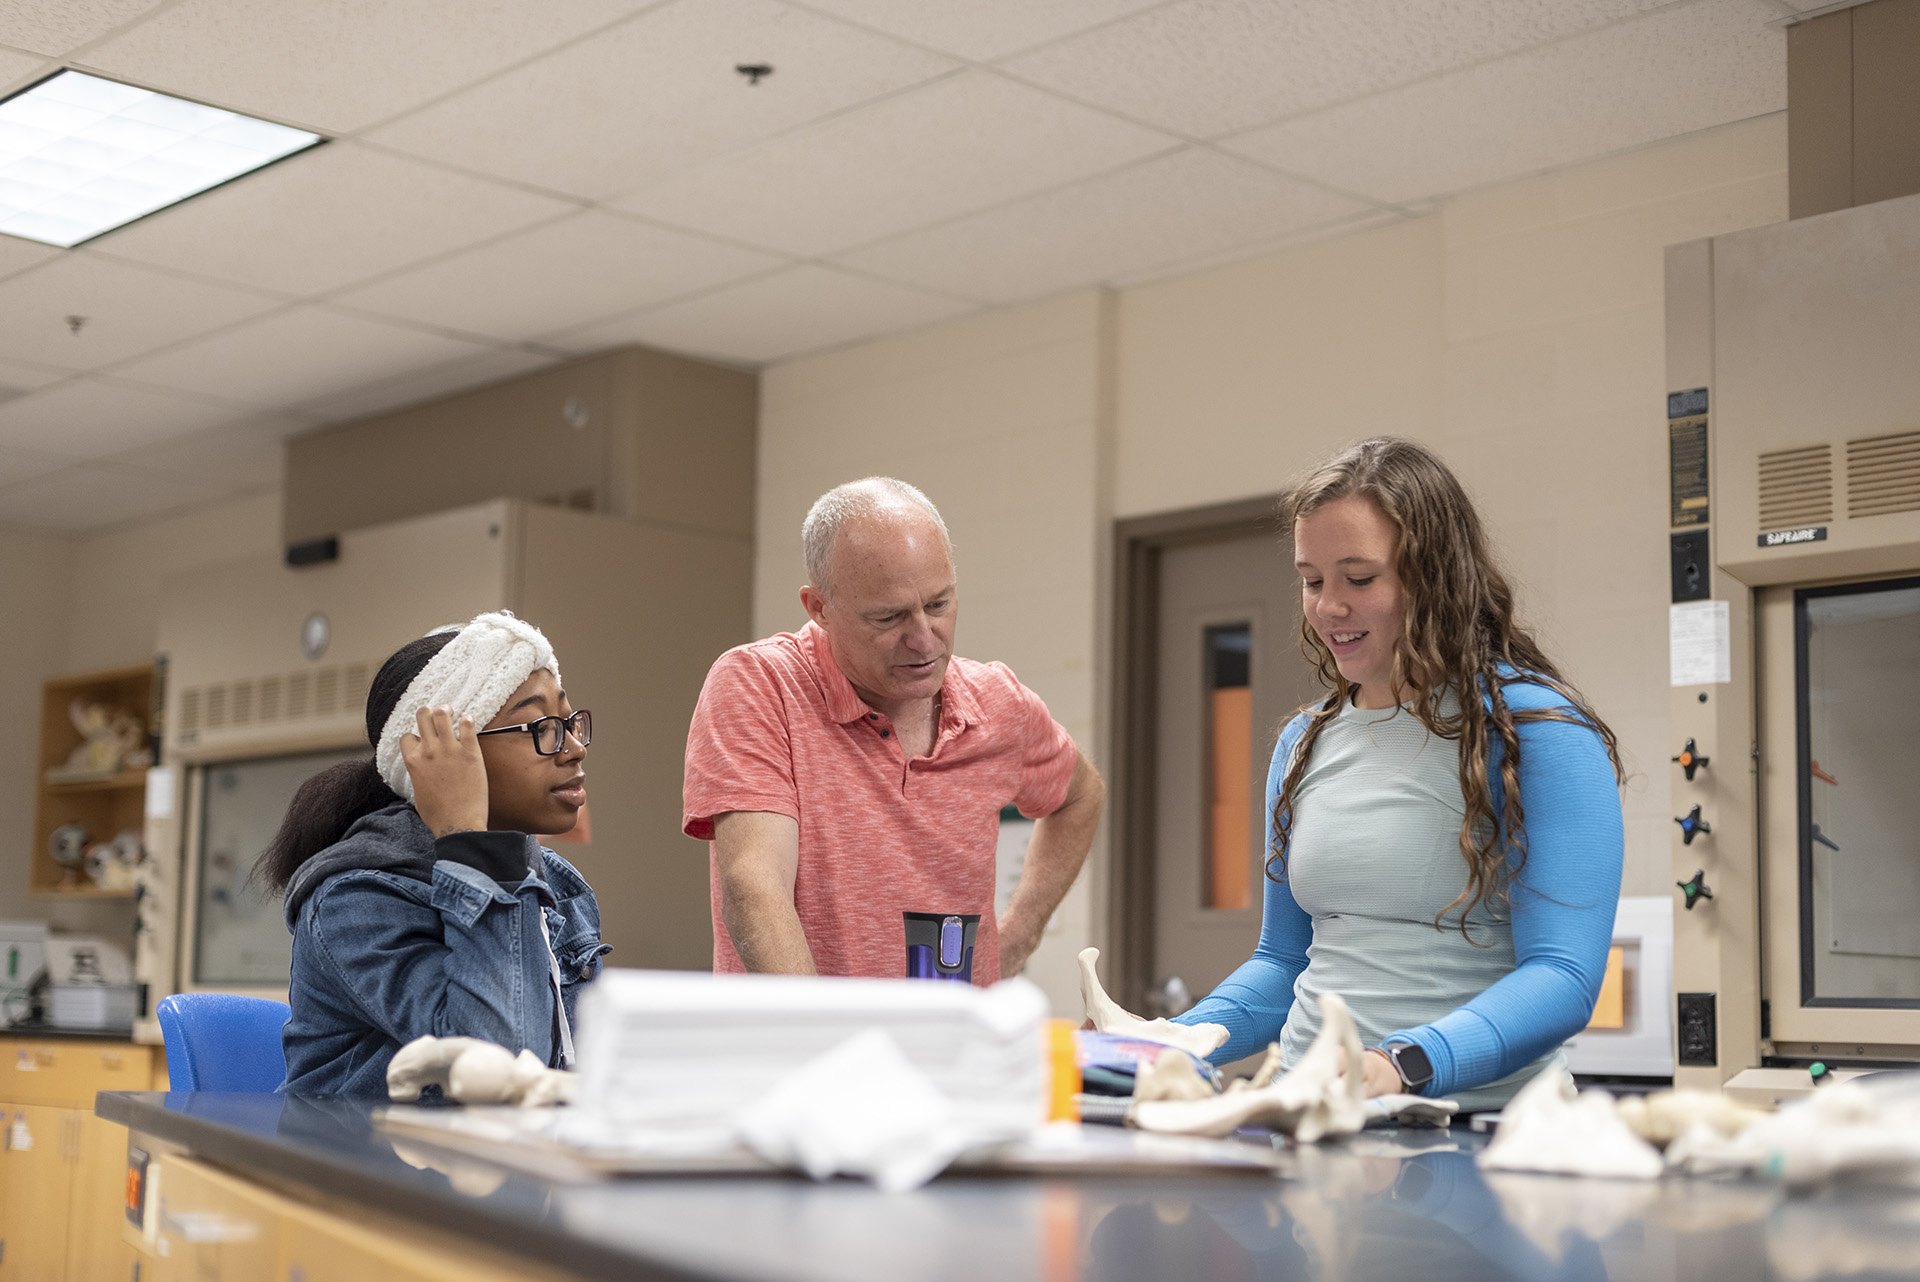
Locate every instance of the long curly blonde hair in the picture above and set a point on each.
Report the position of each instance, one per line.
(1460, 638)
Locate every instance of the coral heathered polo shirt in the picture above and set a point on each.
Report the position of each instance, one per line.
(779, 729)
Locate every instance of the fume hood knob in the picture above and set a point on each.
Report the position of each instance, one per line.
(1690, 760)
(1695, 889)
(1692, 825)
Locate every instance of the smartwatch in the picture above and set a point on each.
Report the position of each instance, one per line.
(1415, 1069)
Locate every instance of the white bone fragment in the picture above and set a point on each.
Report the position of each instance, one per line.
(424, 1062)
(1324, 1095)
(1172, 1075)
(1107, 1016)
(1663, 1116)
(1263, 1075)
(475, 1072)
(1548, 1128)
(482, 1074)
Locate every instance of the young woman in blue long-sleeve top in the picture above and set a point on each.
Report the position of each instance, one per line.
(1444, 830)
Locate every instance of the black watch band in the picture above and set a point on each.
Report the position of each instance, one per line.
(1415, 1069)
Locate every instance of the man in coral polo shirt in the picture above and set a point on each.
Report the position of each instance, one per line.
(856, 769)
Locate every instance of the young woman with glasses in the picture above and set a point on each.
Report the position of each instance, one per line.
(419, 897)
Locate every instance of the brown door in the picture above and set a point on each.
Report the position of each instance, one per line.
(1230, 674)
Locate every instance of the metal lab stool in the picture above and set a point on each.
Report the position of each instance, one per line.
(223, 1042)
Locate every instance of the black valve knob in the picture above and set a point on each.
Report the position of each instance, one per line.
(1690, 760)
(1696, 889)
(1692, 825)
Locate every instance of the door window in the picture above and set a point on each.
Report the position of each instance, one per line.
(1858, 678)
(1228, 708)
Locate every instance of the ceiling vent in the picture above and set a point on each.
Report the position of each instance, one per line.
(1883, 474)
(1796, 487)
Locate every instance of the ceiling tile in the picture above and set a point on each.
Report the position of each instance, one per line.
(16, 467)
(19, 67)
(659, 94)
(342, 65)
(16, 255)
(799, 310)
(24, 377)
(1689, 67)
(982, 30)
(944, 149)
(125, 311)
(245, 457)
(56, 27)
(295, 356)
(443, 379)
(327, 218)
(90, 496)
(1207, 67)
(557, 276)
(1194, 204)
(87, 419)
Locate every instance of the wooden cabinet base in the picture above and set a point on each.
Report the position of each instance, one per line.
(206, 1225)
(63, 1170)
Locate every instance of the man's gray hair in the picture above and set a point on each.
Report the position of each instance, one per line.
(852, 501)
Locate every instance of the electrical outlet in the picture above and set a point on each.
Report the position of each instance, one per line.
(1699, 1032)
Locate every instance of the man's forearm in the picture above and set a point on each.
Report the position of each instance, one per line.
(766, 932)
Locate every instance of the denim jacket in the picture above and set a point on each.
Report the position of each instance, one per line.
(396, 935)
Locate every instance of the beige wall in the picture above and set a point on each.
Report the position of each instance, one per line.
(1517, 329)
(117, 576)
(34, 574)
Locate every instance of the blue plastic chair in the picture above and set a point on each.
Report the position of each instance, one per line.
(223, 1042)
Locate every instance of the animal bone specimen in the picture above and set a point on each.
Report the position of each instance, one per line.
(1171, 1076)
(1107, 1016)
(1324, 1094)
(1662, 1117)
(475, 1072)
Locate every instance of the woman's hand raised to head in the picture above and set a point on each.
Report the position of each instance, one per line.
(449, 775)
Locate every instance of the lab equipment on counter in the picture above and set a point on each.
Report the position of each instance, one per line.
(23, 956)
(92, 984)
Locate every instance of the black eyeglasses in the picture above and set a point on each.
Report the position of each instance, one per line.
(550, 733)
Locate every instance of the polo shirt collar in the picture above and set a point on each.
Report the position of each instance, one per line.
(843, 703)
(958, 707)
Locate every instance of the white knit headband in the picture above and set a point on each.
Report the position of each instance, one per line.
(474, 674)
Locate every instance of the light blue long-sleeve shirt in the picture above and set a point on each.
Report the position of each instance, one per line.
(1375, 856)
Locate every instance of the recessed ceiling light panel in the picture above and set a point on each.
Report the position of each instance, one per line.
(80, 155)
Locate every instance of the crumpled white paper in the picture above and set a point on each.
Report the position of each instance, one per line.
(1861, 1130)
(864, 1109)
(1550, 1128)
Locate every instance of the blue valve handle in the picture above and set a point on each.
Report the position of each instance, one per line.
(1692, 825)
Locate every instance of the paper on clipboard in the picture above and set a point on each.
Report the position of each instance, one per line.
(1700, 643)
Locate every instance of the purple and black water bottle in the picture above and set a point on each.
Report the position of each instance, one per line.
(940, 945)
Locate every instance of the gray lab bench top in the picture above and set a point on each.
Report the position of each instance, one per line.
(1392, 1205)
